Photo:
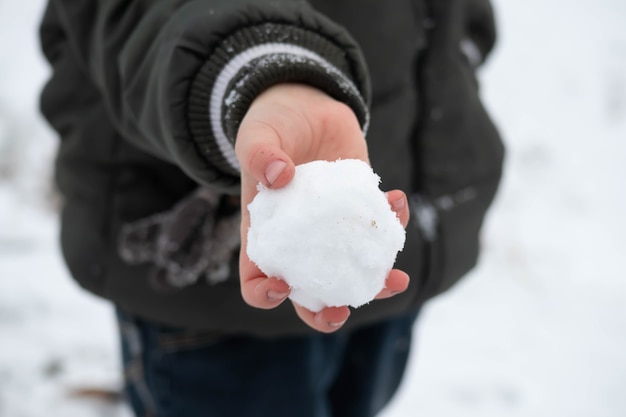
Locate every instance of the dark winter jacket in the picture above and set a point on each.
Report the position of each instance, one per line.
(147, 96)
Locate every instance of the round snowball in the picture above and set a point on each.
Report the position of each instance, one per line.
(330, 234)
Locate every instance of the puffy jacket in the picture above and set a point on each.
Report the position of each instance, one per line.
(147, 96)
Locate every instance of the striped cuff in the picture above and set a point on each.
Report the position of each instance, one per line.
(252, 60)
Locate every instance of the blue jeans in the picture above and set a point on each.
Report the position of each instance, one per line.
(173, 372)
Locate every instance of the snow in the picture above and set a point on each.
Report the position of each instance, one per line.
(536, 330)
(354, 236)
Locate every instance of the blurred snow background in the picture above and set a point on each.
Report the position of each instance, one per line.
(537, 330)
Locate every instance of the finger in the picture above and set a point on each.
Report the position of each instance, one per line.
(256, 288)
(261, 156)
(397, 282)
(398, 202)
(328, 320)
(265, 293)
(262, 160)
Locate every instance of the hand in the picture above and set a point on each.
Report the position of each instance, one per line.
(288, 125)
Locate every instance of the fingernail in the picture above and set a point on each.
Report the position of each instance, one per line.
(276, 295)
(336, 323)
(274, 170)
(399, 204)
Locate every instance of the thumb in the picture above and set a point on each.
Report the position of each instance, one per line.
(262, 158)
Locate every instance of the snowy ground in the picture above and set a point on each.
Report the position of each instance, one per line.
(537, 330)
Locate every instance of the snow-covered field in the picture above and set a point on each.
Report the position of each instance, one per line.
(537, 330)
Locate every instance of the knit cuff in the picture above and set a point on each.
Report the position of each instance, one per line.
(252, 60)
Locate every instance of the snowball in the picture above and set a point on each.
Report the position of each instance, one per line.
(330, 234)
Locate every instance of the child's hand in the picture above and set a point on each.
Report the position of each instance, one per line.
(287, 125)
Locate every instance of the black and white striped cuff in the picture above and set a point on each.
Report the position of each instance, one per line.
(249, 62)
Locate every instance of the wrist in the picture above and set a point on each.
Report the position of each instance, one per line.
(254, 60)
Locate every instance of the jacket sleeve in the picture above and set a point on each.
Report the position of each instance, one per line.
(178, 76)
(479, 28)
